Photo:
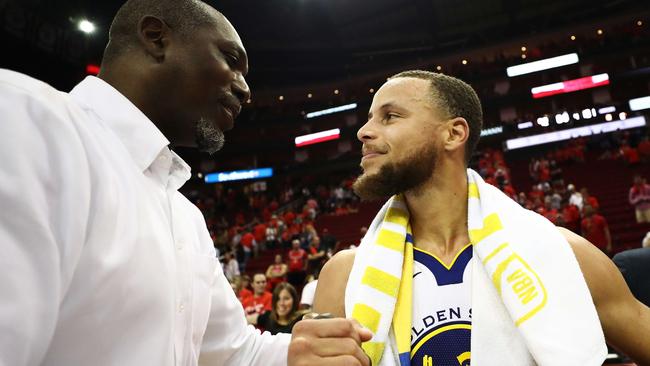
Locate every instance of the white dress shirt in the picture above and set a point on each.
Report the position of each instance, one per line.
(103, 261)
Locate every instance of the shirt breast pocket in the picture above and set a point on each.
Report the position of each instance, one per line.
(205, 272)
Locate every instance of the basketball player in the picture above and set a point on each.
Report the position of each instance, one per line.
(422, 129)
(103, 261)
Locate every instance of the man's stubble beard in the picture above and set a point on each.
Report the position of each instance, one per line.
(209, 138)
(409, 174)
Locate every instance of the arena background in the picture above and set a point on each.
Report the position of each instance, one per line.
(314, 55)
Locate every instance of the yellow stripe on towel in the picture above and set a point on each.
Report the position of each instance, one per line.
(381, 281)
(391, 240)
(374, 350)
(472, 191)
(397, 216)
(366, 316)
(491, 224)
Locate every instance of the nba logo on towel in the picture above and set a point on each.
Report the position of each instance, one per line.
(520, 287)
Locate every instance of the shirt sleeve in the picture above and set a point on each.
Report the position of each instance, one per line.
(229, 340)
(44, 205)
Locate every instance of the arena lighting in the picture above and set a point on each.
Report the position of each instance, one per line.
(317, 137)
(572, 133)
(638, 104)
(92, 69)
(86, 26)
(492, 131)
(589, 113)
(342, 108)
(570, 86)
(545, 64)
(238, 175)
(562, 118)
(543, 121)
(525, 125)
(605, 110)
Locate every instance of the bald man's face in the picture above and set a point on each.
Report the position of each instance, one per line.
(205, 84)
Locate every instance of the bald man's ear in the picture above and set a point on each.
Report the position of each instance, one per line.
(153, 34)
(457, 134)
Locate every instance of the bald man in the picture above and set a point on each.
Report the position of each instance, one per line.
(104, 261)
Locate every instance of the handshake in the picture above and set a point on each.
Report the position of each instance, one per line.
(318, 340)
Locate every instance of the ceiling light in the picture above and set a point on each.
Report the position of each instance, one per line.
(86, 26)
(309, 95)
(573, 38)
(438, 67)
(336, 91)
(599, 32)
(523, 48)
(371, 90)
(464, 62)
(281, 97)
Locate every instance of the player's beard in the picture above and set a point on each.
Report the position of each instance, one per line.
(209, 138)
(409, 174)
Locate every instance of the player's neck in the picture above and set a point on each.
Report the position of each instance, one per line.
(439, 213)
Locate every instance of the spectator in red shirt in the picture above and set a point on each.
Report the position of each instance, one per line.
(588, 199)
(571, 217)
(297, 264)
(260, 302)
(276, 273)
(315, 256)
(595, 229)
(249, 244)
(259, 232)
(241, 288)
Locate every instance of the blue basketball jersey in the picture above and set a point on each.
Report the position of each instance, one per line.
(442, 309)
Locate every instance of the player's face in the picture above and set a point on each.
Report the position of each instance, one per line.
(284, 304)
(400, 144)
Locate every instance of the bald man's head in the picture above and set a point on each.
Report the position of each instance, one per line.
(183, 16)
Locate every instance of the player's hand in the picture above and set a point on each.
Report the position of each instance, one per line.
(335, 342)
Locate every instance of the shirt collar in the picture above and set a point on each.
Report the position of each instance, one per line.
(142, 139)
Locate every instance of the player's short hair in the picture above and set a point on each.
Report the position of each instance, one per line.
(455, 98)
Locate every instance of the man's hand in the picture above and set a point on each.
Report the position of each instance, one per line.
(328, 342)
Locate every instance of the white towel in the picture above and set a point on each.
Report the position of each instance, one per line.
(530, 302)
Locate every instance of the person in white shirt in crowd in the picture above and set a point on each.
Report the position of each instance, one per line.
(231, 267)
(307, 296)
(104, 261)
(575, 197)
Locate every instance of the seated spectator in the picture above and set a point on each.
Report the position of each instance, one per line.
(328, 241)
(297, 264)
(315, 256)
(240, 287)
(276, 273)
(639, 197)
(284, 313)
(595, 229)
(260, 302)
